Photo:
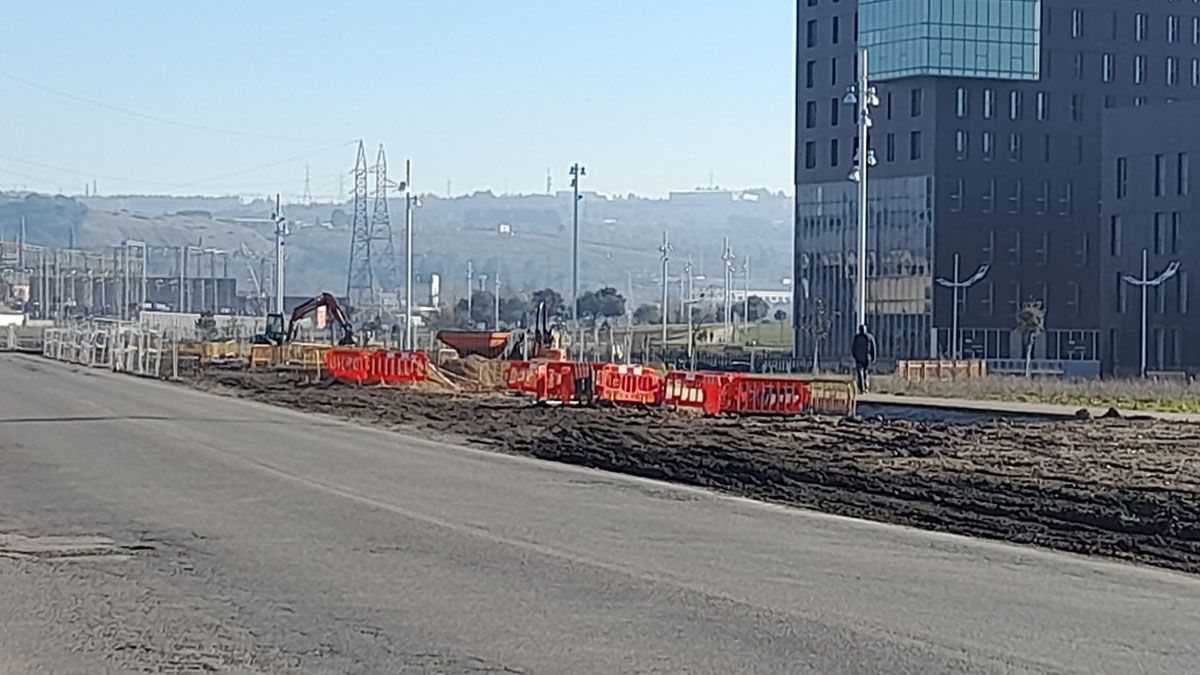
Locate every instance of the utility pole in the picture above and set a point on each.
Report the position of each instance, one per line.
(959, 285)
(727, 258)
(281, 231)
(497, 322)
(687, 302)
(409, 344)
(746, 291)
(863, 96)
(665, 249)
(21, 246)
(470, 287)
(577, 172)
(1145, 282)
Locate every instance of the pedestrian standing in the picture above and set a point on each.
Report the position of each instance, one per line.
(863, 351)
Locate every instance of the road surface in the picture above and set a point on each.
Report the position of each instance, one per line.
(152, 527)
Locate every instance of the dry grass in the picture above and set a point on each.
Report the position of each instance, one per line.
(1163, 396)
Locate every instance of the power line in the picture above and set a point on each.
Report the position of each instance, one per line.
(154, 118)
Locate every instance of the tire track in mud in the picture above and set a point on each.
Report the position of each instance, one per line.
(1117, 488)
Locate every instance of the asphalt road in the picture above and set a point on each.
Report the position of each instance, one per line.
(169, 530)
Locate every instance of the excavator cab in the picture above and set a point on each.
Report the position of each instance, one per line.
(275, 334)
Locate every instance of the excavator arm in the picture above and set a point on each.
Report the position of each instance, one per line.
(335, 310)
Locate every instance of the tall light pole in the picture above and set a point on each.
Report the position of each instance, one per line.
(470, 287)
(497, 317)
(958, 285)
(746, 291)
(576, 172)
(281, 231)
(727, 258)
(408, 257)
(863, 97)
(1145, 282)
(665, 249)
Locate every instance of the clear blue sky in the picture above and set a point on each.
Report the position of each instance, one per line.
(650, 95)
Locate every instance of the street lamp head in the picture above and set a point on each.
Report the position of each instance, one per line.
(872, 96)
(871, 161)
(851, 98)
(865, 120)
(854, 176)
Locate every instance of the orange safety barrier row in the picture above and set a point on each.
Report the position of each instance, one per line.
(750, 395)
(566, 382)
(376, 366)
(523, 376)
(629, 385)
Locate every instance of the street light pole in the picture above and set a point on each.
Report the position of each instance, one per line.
(1145, 282)
(746, 292)
(470, 288)
(666, 257)
(958, 285)
(863, 97)
(727, 258)
(408, 257)
(497, 322)
(576, 172)
(281, 231)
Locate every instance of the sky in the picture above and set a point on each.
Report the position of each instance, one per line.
(238, 96)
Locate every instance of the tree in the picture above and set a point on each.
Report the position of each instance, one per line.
(551, 298)
(758, 309)
(780, 315)
(483, 308)
(513, 310)
(818, 323)
(647, 314)
(605, 302)
(1031, 322)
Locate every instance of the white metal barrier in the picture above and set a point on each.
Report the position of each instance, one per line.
(118, 347)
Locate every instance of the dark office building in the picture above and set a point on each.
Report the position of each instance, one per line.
(988, 142)
(1150, 203)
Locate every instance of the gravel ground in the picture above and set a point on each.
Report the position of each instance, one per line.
(1119, 488)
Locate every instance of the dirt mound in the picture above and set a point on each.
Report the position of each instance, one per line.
(1120, 488)
(475, 373)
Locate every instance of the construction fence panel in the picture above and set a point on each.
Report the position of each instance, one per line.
(748, 395)
(387, 367)
(348, 365)
(629, 385)
(697, 391)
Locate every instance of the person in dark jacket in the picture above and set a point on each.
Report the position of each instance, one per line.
(863, 351)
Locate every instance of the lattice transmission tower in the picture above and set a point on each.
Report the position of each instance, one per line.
(360, 284)
(384, 272)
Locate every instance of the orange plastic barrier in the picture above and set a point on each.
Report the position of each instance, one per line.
(398, 367)
(566, 382)
(348, 365)
(629, 385)
(751, 395)
(524, 377)
(701, 391)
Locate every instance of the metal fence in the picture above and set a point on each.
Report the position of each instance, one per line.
(115, 346)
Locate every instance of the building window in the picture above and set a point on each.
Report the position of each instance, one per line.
(1183, 173)
(960, 144)
(810, 155)
(833, 152)
(914, 145)
(1043, 250)
(833, 72)
(918, 100)
(1172, 71)
(1015, 197)
(1046, 148)
(988, 146)
(1043, 200)
(1114, 235)
(1181, 280)
(836, 30)
(1174, 232)
(960, 102)
(1122, 177)
(1077, 65)
(1085, 251)
(1172, 29)
(1014, 147)
(1139, 101)
(1014, 253)
(1121, 299)
(1139, 27)
(1043, 106)
(1139, 69)
(1196, 72)
(809, 69)
(1109, 67)
(1160, 223)
(834, 107)
(1066, 204)
(1110, 101)
(1014, 105)
(810, 114)
(1079, 149)
(812, 33)
(1073, 294)
(1076, 23)
(989, 248)
(889, 104)
(989, 197)
(1076, 108)
(891, 147)
(1196, 30)
(1160, 175)
(956, 197)
(989, 97)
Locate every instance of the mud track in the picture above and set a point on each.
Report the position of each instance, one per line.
(1118, 488)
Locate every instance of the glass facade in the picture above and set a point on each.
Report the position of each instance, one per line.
(899, 268)
(997, 39)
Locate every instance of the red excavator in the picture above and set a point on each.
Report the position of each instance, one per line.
(276, 335)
